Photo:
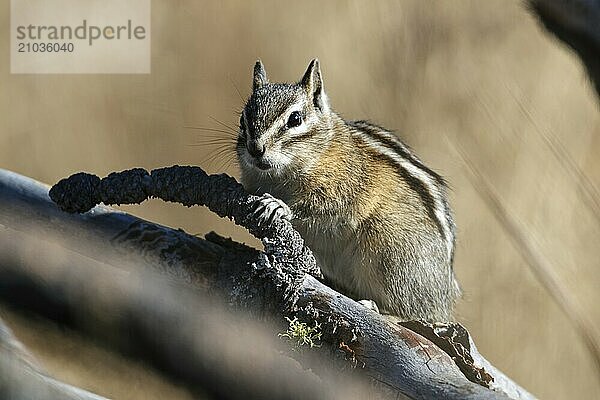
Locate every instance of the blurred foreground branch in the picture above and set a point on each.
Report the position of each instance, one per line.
(272, 284)
(22, 378)
(577, 24)
(190, 337)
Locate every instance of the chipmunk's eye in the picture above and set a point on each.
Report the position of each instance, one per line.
(294, 120)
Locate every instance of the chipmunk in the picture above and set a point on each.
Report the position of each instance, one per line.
(376, 218)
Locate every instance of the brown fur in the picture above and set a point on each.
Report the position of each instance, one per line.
(369, 228)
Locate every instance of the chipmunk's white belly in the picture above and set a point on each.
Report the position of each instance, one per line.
(335, 246)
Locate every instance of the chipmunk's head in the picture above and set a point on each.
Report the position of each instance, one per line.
(283, 127)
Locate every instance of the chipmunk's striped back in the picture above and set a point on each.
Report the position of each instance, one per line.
(430, 186)
(376, 218)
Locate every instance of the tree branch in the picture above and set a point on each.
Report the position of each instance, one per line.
(402, 360)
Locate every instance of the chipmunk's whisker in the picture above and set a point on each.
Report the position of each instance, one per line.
(201, 128)
(223, 124)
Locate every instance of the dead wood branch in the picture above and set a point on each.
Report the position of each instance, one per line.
(402, 361)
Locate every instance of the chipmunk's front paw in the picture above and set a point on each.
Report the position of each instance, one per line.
(267, 208)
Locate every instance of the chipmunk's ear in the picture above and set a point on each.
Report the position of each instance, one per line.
(312, 82)
(260, 76)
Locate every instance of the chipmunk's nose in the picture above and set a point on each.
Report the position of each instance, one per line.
(255, 149)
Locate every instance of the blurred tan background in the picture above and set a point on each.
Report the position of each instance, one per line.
(481, 74)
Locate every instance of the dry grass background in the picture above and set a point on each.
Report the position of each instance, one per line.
(479, 74)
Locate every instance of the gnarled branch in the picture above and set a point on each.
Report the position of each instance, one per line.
(404, 362)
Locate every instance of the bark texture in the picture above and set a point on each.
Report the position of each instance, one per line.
(277, 282)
